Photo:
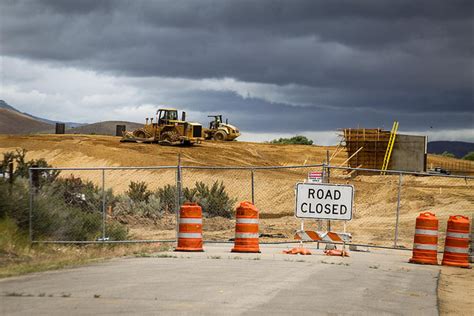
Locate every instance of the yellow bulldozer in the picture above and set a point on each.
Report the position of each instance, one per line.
(220, 131)
(166, 129)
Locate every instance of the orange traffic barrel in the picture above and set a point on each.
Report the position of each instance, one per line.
(190, 228)
(246, 228)
(425, 245)
(456, 247)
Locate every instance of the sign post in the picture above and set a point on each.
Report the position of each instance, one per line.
(324, 201)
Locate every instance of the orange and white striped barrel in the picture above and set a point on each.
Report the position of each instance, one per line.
(425, 245)
(456, 247)
(246, 228)
(190, 228)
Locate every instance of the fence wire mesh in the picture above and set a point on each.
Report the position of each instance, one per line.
(141, 204)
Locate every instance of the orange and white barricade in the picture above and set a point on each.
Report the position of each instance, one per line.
(246, 229)
(190, 228)
(309, 235)
(425, 244)
(456, 247)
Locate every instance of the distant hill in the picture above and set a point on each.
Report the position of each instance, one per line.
(103, 128)
(5, 105)
(14, 122)
(459, 149)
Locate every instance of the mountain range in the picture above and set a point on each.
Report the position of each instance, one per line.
(13, 121)
(459, 149)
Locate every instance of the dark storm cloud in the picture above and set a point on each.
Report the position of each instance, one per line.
(257, 115)
(375, 58)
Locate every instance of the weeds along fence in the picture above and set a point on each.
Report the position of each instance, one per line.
(125, 204)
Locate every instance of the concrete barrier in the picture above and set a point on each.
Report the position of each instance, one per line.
(60, 128)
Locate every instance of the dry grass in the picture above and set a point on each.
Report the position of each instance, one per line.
(18, 257)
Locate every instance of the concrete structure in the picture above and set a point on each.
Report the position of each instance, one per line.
(218, 282)
(60, 128)
(409, 153)
(367, 147)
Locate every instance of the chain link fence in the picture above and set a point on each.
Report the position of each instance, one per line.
(141, 204)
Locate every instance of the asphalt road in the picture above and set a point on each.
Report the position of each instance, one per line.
(220, 282)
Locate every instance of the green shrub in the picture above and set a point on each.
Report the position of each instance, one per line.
(168, 198)
(14, 202)
(23, 166)
(138, 191)
(79, 193)
(116, 231)
(63, 209)
(152, 208)
(214, 200)
(295, 140)
(469, 156)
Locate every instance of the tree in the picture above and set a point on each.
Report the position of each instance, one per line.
(469, 156)
(295, 140)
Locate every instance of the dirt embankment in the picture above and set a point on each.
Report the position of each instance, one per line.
(92, 150)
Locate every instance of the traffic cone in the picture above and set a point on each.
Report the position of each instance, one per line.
(456, 247)
(425, 245)
(190, 228)
(246, 229)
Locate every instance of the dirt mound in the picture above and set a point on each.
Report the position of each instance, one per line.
(93, 150)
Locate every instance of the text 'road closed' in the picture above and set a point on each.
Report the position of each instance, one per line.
(324, 201)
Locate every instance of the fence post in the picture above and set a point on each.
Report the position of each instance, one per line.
(253, 186)
(178, 193)
(395, 240)
(30, 212)
(104, 212)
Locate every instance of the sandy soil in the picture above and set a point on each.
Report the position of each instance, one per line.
(456, 291)
(94, 150)
(376, 195)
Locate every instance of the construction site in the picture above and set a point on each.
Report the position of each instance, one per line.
(386, 203)
(179, 189)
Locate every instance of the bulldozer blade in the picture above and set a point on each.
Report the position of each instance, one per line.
(128, 140)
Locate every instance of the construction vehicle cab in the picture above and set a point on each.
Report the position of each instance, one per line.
(166, 128)
(220, 131)
(164, 116)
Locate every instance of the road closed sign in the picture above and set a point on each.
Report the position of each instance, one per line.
(324, 201)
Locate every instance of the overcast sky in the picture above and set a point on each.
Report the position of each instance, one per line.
(274, 68)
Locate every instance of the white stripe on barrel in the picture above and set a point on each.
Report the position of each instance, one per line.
(246, 235)
(457, 235)
(456, 249)
(426, 232)
(189, 235)
(425, 247)
(190, 220)
(247, 220)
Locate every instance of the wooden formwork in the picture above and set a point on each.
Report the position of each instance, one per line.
(373, 142)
